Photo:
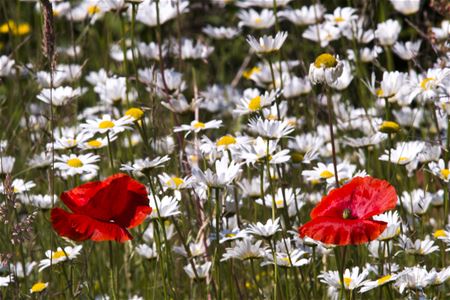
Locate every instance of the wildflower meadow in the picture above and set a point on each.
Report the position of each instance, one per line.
(224, 149)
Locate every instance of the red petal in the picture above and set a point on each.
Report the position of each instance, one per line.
(364, 196)
(342, 232)
(118, 198)
(80, 228)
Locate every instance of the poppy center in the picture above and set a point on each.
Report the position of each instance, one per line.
(75, 163)
(105, 124)
(38, 287)
(383, 279)
(58, 254)
(325, 60)
(199, 125)
(347, 213)
(255, 103)
(226, 141)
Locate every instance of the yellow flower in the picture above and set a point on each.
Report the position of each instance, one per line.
(325, 60)
(38, 287)
(15, 28)
(389, 127)
(135, 113)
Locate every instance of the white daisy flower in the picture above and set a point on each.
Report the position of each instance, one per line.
(372, 284)
(73, 164)
(408, 50)
(416, 202)
(251, 18)
(6, 164)
(197, 126)
(58, 256)
(107, 125)
(146, 251)
(387, 32)
(59, 96)
(306, 15)
(265, 230)
(202, 270)
(406, 7)
(258, 150)
(353, 278)
(141, 166)
(221, 33)
(322, 33)
(440, 169)
(176, 183)
(164, 207)
(270, 129)
(225, 172)
(245, 249)
(267, 44)
(418, 247)
(413, 278)
(253, 101)
(403, 153)
(393, 225)
(40, 201)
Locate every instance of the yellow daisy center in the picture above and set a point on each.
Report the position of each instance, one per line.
(106, 124)
(230, 235)
(383, 279)
(325, 60)
(379, 92)
(297, 157)
(258, 20)
(402, 158)
(58, 254)
(175, 180)
(339, 19)
(424, 84)
(95, 143)
(38, 287)
(439, 233)
(279, 202)
(93, 9)
(16, 190)
(347, 281)
(75, 163)
(255, 103)
(248, 73)
(326, 174)
(198, 125)
(445, 173)
(135, 113)
(226, 140)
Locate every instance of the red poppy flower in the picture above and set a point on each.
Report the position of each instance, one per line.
(102, 210)
(344, 216)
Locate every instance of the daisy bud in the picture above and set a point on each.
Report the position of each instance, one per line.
(389, 127)
(134, 113)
